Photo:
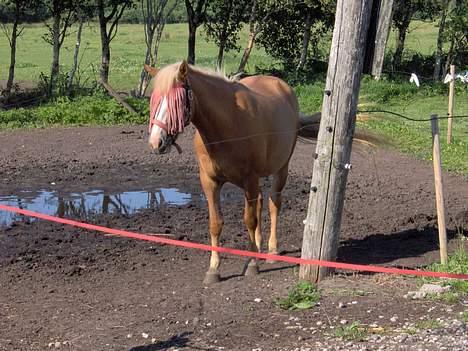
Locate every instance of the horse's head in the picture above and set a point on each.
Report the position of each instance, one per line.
(171, 105)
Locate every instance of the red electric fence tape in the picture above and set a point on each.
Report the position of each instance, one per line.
(191, 245)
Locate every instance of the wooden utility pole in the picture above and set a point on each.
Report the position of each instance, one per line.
(322, 228)
(381, 37)
(371, 35)
(439, 189)
(450, 104)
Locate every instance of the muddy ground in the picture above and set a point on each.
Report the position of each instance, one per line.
(66, 288)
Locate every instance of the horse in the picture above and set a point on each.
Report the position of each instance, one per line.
(245, 130)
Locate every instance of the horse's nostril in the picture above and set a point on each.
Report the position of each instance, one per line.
(160, 143)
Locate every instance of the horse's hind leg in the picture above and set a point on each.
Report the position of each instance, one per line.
(212, 190)
(253, 208)
(274, 203)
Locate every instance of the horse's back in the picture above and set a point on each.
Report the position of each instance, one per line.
(273, 88)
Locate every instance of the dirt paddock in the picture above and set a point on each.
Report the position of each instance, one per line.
(66, 288)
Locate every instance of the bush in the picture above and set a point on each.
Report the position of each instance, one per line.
(83, 110)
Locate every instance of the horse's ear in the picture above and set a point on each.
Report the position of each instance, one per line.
(183, 71)
(151, 70)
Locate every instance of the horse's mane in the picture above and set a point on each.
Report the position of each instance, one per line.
(166, 77)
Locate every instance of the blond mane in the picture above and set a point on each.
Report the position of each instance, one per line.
(166, 77)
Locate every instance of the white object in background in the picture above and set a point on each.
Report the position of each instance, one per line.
(448, 78)
(463, 78)
(414, 79)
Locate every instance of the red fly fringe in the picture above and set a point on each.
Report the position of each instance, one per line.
(176, 104)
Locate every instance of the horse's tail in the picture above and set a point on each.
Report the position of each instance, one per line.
(309, 127)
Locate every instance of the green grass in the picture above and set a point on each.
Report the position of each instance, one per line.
(352, 332)
(128, 50)
(465, 316)
(427, 324)
(457, 263)
(422, 37)
(418, 103)
(303, 295)
(127, 53)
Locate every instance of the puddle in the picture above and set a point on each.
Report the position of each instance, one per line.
(84, 205)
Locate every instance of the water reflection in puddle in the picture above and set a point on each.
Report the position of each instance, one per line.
(86, 204)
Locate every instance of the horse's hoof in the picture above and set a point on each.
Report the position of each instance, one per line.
(270, 261)
(211, 278)
(252, 269)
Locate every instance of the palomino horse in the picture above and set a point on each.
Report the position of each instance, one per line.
(244, 130)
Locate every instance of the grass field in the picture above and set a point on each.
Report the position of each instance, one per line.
(127, 53)
(128, 50)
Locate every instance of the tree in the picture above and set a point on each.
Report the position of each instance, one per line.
(109, 14)
(223, 23)
(444, 5)
(260, 11)
(456, 34)
(61, 12)
(17, 11)
(403, 13)
(155, 14)
(294, 28)
(196, 16)
(83, 12)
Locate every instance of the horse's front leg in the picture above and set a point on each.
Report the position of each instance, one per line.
(212, 190)
(252, 218)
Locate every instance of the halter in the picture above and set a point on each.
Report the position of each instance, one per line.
(176, 120)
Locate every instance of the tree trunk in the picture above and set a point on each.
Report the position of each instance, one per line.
(219, 61)
(438, 57)
(71, 75)
(305, 42)
(11, 71)
(144, 76)
(400, 45)
(105, 59)
(105, 43)
(450, 55)
(191, 43)
(252, 35)
(54, 71)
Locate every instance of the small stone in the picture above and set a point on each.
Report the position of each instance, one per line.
(319, 323)
(343, 321)
(144, 335)
(258, 300)
(341, 305)
(129, 336)
(394, 319)
(57, 344)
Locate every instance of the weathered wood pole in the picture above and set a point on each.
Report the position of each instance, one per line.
(450, 104)
(383, 29)
(439, 189)
(322, 228)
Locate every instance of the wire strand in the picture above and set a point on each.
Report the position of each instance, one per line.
(411, 118)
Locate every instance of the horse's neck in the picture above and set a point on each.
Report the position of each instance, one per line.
(214, 106)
